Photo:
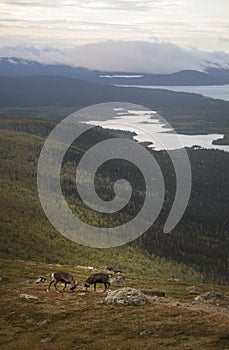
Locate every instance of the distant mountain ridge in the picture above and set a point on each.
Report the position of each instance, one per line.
(60, 91)
(16, 67)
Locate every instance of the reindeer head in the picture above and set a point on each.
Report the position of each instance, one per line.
(86, 285)
(73, 286)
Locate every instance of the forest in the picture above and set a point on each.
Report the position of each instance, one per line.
(195, 250)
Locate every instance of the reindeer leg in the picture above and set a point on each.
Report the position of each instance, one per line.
(94, 287)
(65, 284)
(56, 287)
(48, 289)
(105, 285)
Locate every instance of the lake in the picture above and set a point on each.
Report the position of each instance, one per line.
(214, 91)
(151, 128)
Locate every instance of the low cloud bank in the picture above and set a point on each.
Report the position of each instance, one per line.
(123, 56)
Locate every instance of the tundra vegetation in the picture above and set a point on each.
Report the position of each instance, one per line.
(173, 322)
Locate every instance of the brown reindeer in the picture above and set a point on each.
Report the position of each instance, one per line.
(98, 278)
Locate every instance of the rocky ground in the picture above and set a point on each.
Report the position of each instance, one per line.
(130, 316)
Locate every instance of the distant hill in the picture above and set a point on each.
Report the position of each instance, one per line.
(55, 97)
(64, 91)
(184, 77)
(15, 67)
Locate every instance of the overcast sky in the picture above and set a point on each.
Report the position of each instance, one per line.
(68, 25)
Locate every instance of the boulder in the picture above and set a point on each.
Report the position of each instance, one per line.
(85, 267)
(28, 296)
(118, 281)
(126, 296)
(173, 279)
(209, 295)
(148, 331)
(111, 268)
(192, 290)
(27, 282)
(46, 340)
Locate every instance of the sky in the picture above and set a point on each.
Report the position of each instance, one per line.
(75, 30)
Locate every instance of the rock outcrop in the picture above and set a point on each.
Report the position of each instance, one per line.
(126, 296)
(210, 295)
(118, 281)
(28, 296)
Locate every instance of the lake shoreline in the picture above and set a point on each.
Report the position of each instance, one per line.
(151, 129)
(219, 91)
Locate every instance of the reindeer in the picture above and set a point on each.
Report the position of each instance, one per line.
(98, 278)
(64, 277)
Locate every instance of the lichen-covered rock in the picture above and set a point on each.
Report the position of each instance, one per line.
(118, 281)
(46, 340)
(26, 282)
(126, 296)
(209, 295)
(147, 332)
(28, 296)
(192, 290)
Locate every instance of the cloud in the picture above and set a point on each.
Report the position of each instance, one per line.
(73, 22)
(34, 3)
(123, 56)
(216, 59)
(224, 39)
(109, 4)
(126, 5)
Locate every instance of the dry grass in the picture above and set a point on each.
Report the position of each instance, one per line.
(83, 320)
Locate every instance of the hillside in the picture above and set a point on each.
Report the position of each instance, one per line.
(27, 234)
(83, 320)
(196, 250)
(62, 92)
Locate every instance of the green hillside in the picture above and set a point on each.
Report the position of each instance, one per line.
(197, 250)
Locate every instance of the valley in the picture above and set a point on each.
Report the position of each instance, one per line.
(196, 250)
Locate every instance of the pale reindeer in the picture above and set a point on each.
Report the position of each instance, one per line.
(63, 277)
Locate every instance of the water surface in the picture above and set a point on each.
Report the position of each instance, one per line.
(214, 91)
(148, 127)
